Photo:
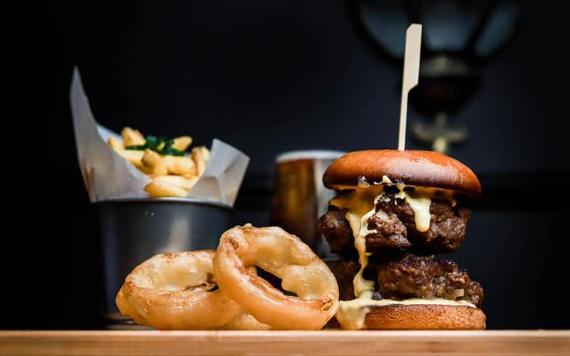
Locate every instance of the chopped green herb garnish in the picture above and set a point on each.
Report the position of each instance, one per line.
(161, 145)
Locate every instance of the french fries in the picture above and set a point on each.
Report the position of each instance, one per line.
(163, 189)
(182, 182)
(115, 144)
(173, 173)
(153, 163)
(132, 137)
(182, 143)
(135, 157)
(200, 156)
(183, 166)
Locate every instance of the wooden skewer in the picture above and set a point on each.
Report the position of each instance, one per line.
(411, 76)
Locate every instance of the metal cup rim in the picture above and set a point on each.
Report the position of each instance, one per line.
(189, 201)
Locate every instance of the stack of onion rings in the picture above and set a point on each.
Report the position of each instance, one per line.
(178, 290)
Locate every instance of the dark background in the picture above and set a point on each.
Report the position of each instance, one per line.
(268, 77)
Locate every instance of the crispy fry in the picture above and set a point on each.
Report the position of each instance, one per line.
(179, 165)
(157, 188)
(182, 182)
(132, 137)
(182, 143)
(134, 157)
(154, 163)
(115, 144)
(200, 156)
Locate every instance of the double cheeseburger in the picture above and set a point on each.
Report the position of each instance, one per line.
(392, 212)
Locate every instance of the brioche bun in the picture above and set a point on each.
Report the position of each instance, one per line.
(417, 168)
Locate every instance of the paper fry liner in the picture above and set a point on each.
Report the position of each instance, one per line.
(108, 176)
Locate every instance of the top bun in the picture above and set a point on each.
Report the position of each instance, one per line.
(417, 168)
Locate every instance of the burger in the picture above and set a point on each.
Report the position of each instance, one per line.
(392, 212)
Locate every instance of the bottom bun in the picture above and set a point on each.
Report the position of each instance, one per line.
(425, 317)
(422, 317)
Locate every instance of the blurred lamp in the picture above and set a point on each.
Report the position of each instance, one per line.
(458, 37)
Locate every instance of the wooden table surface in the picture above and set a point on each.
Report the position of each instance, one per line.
(329, 342)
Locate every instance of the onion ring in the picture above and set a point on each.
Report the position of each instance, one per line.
(287, 257)
(176, 291)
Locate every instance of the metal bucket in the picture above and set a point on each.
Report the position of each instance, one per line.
(133, 230)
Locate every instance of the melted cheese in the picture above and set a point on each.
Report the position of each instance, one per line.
(360, 206)
(362, 199)
(420, 205)
(359, 201)
(359, 225)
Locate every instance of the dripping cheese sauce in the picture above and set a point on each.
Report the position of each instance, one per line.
(360, 206)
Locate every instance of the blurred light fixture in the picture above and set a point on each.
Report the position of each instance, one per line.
(459, 36)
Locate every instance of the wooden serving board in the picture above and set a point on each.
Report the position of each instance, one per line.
(330, 342)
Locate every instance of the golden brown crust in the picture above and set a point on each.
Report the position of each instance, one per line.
(173, 291)
(425, 317)
(288, 258)
(419, 168)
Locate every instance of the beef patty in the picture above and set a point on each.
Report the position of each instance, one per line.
(394, 228)
(410, 276)
(426, 277)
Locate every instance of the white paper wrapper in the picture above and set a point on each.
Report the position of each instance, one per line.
(108, 176)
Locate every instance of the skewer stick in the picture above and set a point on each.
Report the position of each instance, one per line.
(411, 76)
